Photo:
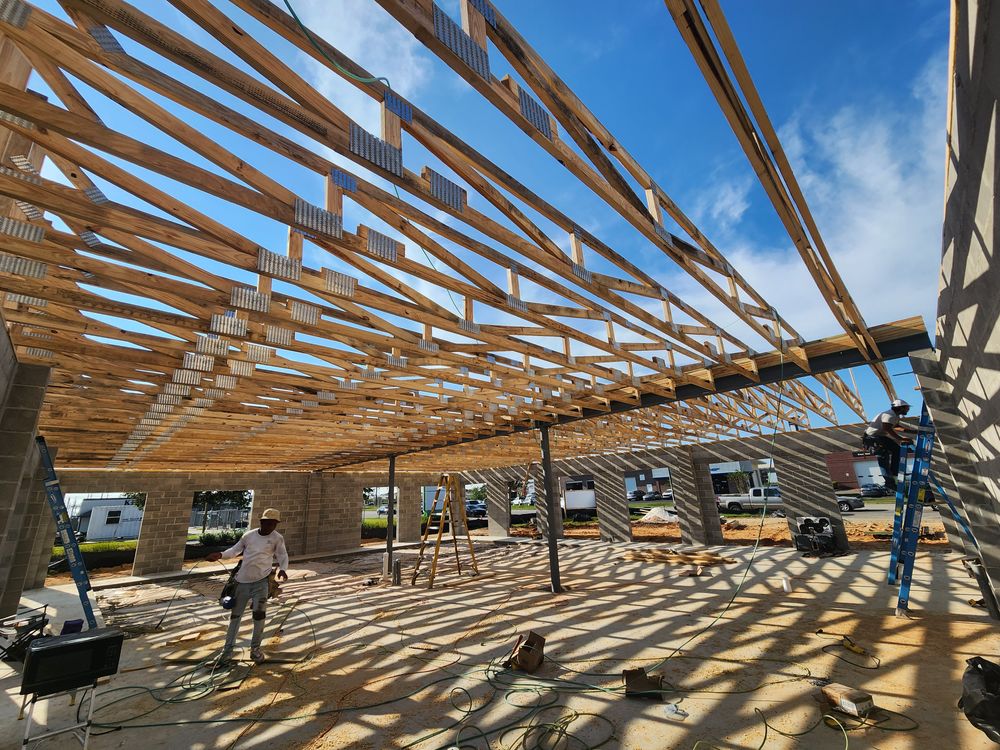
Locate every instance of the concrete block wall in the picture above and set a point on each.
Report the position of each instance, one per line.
(318, 514)
(962, 387)
(19, 414)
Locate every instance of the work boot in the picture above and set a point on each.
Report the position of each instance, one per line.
(222, 661)
(257, 655)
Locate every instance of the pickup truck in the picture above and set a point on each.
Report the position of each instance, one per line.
(754, 500)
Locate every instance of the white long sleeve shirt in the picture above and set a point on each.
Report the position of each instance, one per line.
(259, 553)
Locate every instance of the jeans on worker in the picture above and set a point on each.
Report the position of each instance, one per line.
(887, 452)
(254, 594)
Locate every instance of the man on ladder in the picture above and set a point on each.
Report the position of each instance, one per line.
(883, 436)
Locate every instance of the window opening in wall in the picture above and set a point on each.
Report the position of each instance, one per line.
(107, 527)
(375, 512)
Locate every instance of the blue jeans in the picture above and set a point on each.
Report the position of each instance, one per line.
(254, 594)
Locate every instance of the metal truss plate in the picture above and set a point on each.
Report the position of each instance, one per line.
(339, 283)
(228, 324)
(22, 266)
(213, 345)
(455, 39)
(278, 336)
(398, 106)
(31, 211)
(468, 326)
(14, 12)
(274, 264)
(582, 273)
(26, 299)
(250, 299)
(319, 220)
(535, 113)
(258, 352)
(343, 180)
(383, 246)
(305, 313)
(187, 377)
(105, 39)
(203, 362)
(486, 9)
(446, 191)
(25, 175)
(375, 150)
(515, 303)
(21, 230)
(241, 368)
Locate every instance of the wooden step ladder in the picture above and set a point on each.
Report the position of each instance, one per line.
(449, 491)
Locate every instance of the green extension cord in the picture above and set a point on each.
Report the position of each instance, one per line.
(334, 63)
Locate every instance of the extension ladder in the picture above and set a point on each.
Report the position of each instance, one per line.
(53, 493)
(449, 491)
(912, 494)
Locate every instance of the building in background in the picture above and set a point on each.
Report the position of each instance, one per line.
(104, 517)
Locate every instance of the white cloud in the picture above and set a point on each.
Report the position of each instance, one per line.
(872, 174)
(373, 39)
(725, 205)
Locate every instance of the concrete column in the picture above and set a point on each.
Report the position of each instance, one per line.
(957, 539)
(313, 512)
(694, 497)
(41, 548)
(410, 507)
(612, 506)
(164, 528)
(807, 490)
(980, 504)
(18, 466)
(498, 502)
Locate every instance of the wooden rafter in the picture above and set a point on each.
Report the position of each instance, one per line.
(178, 341)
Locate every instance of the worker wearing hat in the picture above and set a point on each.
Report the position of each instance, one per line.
(260, 548)
(883, 435)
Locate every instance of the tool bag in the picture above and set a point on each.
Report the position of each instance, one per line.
(981, 696)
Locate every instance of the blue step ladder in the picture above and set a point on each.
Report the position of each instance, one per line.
(913, 492)
(53, 493)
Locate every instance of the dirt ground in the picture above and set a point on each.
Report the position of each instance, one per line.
(744, 531)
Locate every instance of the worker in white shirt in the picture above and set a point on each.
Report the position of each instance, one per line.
(259, 548)
(884, 436)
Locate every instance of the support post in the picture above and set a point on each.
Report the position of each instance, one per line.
(390, 531)
(550, 507)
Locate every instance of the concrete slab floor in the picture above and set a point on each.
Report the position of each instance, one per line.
(406, 667)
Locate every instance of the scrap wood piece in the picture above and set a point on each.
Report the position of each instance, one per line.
(680, 558)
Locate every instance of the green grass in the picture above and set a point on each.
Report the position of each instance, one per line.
(657, 504)
(122, 546)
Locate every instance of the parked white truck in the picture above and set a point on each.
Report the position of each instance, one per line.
(754, 500)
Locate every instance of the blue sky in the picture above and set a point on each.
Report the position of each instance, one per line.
(856, 90)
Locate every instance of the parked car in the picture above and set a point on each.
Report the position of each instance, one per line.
(475, 509)
(652, 497)
(847, 503)
(875, 490)
(753, 500)
(635, 496)
(383, 510)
